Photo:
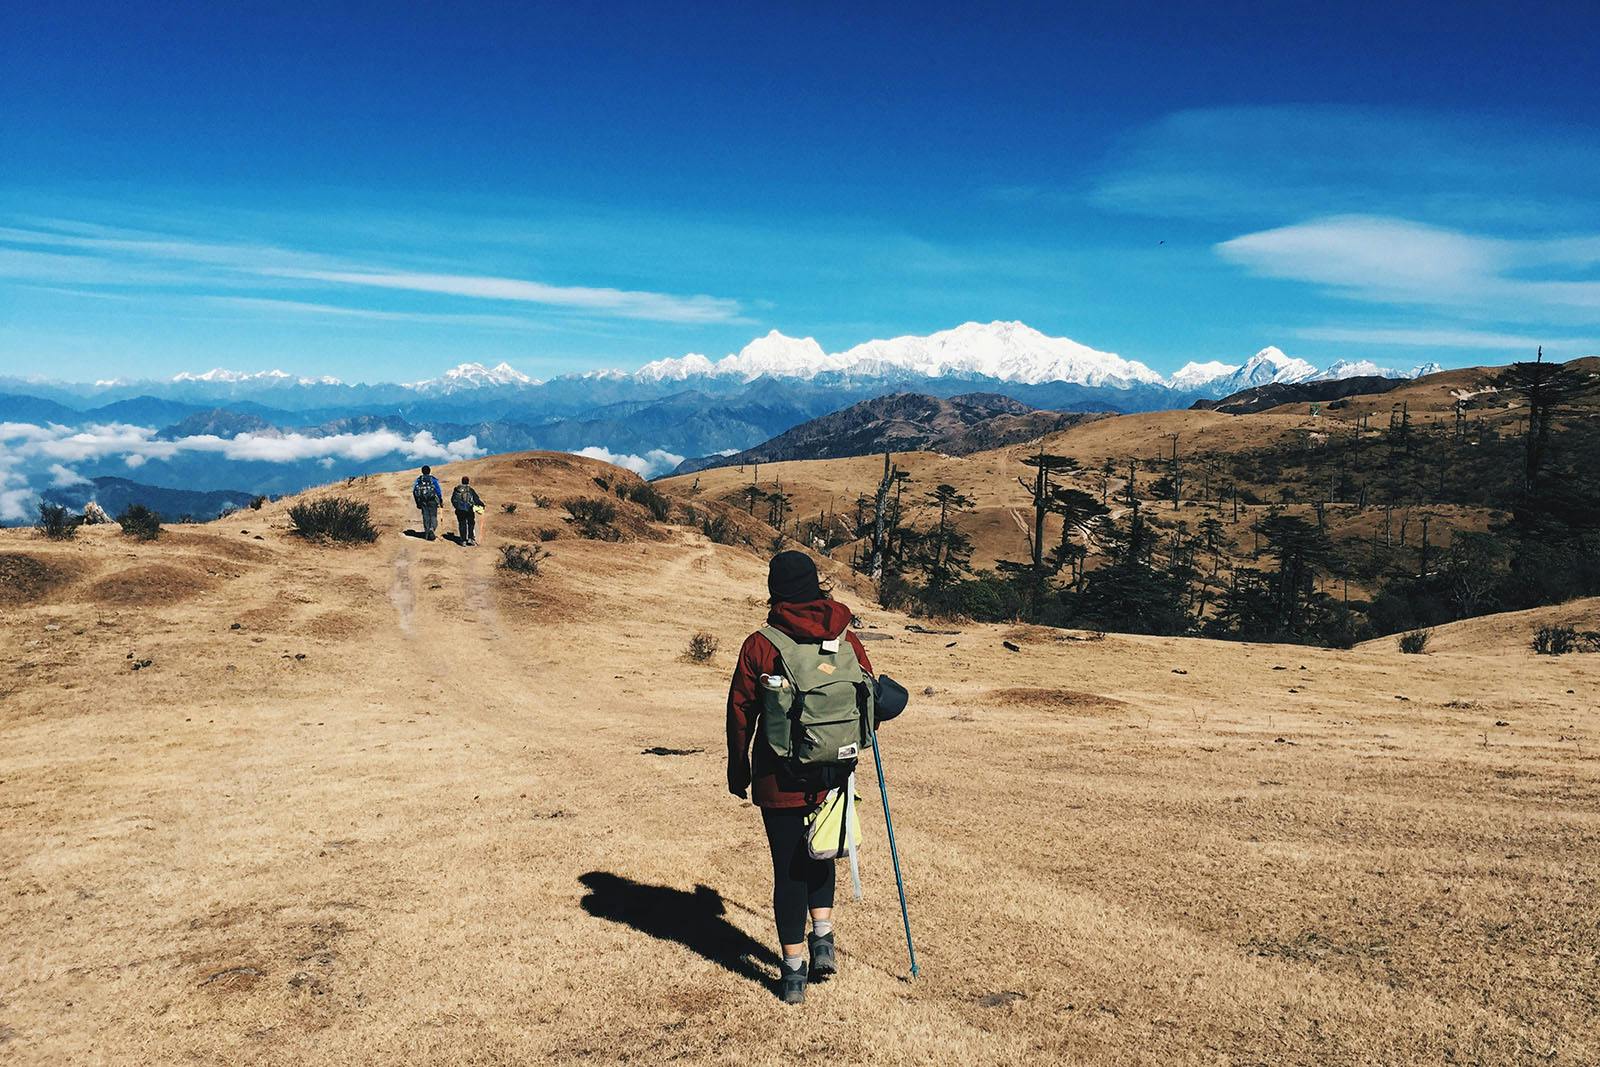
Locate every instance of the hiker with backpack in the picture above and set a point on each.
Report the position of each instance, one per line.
(428, 495)
(468, 505)
(800, 710)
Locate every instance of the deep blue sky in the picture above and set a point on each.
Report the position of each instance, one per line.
(347, 189)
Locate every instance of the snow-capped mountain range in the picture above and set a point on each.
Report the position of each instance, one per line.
(972, 355)
(1004, 351)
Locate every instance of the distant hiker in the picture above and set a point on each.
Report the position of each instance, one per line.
(468, 504)
(806, 649)
(428, 496)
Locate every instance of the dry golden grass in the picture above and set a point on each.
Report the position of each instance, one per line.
(438, 836)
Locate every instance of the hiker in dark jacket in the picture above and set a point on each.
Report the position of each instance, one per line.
(464, 498)
(427, 495)
(801, 884)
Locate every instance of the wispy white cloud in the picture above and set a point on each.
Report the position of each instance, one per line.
(1399, 261)
(62, 476)
(654, 462)
(660, 307)
(300, 307)
(65, 251)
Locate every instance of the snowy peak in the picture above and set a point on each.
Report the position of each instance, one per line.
(220, 374)
(223, 376)
(1008, 351)
(1198, 375)
(777, 356)
(1268, 366)
(473, 376)
(1365, 367)
(1272, 365)
(675, 370)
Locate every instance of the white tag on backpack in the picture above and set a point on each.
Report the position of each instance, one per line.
(831, 645)
(849, 752)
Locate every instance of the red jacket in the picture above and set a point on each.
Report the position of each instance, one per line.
(815, 620)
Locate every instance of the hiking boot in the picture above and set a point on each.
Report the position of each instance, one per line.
(823, 960)
(793, 985)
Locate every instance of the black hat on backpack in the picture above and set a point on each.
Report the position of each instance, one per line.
(889, 697)
(792, 578)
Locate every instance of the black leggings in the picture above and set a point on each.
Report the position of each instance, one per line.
(467, 524)
(799, 883)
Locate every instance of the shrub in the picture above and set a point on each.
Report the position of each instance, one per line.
(57, 523)
(256, 502)
(139, 521)
(719, 529)
(542, 501)
(522, 559)
(1554, 640)
(651, 499)
(593, 517)
(549, 533)
(702, 646)
(336, 518)
(1560, 640)
(1415, 643)
(509, 509)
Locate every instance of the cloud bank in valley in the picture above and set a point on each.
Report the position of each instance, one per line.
(35, 457)
(653, 463)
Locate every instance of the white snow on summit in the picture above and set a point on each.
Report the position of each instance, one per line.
(1365, 367)
(1009, 351)
(473, 376)
(219, 374)
(1199, 375)
(222, 376)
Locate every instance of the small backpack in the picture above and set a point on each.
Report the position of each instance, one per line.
(461, 498)
(425, 491)
(820, 717)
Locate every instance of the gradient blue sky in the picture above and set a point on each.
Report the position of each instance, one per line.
(379, 191)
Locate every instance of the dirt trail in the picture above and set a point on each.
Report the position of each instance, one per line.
(391, 804)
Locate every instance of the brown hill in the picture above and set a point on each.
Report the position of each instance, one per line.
(904, 422)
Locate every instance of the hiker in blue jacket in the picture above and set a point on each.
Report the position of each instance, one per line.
(428, 495)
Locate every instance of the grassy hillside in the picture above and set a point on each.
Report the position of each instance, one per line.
(273, 801)
(1403, 487)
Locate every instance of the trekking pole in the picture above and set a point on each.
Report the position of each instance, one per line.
(894, 854)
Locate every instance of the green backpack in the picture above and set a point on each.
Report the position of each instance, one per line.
(821, 716)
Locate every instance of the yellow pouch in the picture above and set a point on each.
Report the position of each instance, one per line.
(825, 838)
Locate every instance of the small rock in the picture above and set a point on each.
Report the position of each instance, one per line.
(1280, 668)
(1011, 647)
(141, 664)
(1397, 696)
(1179, 670)
(236, 626)
(927, 690)
(1283, 741)
(51, 626)
(1501, 722)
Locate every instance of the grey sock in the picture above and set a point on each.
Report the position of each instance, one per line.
(822, 927)
(793, 963)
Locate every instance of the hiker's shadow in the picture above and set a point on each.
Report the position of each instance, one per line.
(418, 534)
(694, 920)
(454, 539)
